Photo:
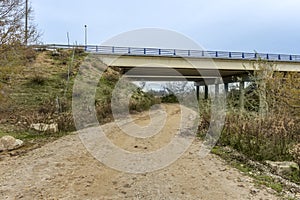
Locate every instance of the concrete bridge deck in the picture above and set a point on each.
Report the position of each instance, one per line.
(154, 64)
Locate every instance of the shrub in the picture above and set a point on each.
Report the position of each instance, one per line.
(141, 101)
(104, 113)
(30, 54)
(170, 98)
(295, 152)
(260, 139)
(65, 122)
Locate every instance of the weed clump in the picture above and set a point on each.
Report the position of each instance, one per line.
(38, 80)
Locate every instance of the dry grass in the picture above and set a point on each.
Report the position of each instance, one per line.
(267, 135)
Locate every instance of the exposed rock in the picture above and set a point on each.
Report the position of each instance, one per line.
(254, 191)
(45, 127)
(283, 168)
(9, 143)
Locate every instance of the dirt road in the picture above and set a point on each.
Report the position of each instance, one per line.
(64, 169)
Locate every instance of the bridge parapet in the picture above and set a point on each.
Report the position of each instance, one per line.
(136, 51)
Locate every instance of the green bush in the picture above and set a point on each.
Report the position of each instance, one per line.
(141, 101)
(170, 98)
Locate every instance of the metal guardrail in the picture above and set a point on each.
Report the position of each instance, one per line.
(174, 52)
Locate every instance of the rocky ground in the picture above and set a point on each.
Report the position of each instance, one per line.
(64, 169)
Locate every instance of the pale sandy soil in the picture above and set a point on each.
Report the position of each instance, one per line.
(64, 169)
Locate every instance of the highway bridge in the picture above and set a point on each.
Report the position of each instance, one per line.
(203, 67)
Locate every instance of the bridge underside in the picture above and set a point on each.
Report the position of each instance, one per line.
(203, 76)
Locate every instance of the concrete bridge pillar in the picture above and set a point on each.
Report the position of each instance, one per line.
(197, 85)
(206, 92)
(217, 90)
(198, 91)
(242, 95)
(226, 88)
(263, 105)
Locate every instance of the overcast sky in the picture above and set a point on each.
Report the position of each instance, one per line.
(232, 25)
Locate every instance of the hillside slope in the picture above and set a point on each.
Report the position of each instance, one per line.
(41, 92)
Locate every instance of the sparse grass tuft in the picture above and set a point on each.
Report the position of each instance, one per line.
(38, 80)
(269, 182)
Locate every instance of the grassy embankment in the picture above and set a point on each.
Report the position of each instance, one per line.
(41, 92)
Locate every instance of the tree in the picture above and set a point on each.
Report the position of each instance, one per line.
(16, 29)
(13, 15)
